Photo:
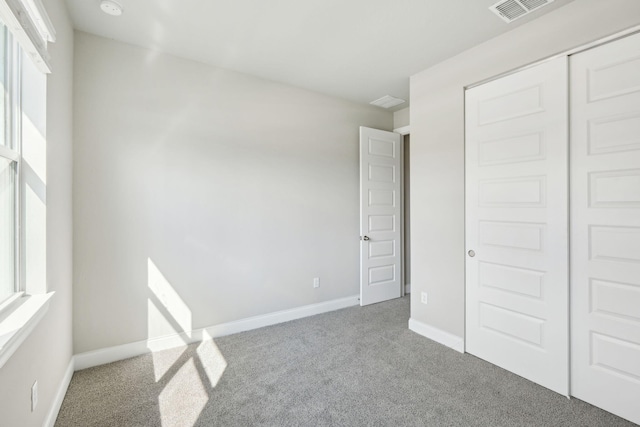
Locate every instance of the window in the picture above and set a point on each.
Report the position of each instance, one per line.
(24, 299)
(9, 165)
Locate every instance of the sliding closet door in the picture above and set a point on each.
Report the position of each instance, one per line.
(605, 227)
(516, 224)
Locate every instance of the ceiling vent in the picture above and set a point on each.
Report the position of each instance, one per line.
(510, 10)
(387, 101)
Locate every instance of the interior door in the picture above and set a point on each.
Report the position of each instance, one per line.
(605, 227)
(380, 215)
(516, 224)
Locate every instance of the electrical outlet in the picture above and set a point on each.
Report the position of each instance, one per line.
(423, 297)
(34, 396)
(316, 282)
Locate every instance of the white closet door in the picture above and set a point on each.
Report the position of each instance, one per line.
(516, 219)
(605, 227)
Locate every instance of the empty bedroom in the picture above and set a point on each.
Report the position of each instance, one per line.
(319, 213)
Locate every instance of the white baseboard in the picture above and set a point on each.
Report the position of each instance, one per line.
(437, 335)
(113, 354)
(59, 397)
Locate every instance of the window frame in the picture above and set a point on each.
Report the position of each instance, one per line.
(27, 307)
(13, 152)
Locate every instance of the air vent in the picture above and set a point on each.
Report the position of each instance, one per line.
(510, 10)
(387, 101)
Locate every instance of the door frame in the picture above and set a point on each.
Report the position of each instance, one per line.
(406, 287)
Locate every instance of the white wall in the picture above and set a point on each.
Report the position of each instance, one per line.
(203, 196)
(401, 118)
(437, 143)
(47, 352)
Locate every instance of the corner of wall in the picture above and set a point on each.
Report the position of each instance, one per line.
(401, 118)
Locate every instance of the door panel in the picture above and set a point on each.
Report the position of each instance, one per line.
(516, 223)
(380, 215)
(605, 227)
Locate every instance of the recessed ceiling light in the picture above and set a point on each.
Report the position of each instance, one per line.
(111, 7)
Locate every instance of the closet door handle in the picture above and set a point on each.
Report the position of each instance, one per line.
(472, 253)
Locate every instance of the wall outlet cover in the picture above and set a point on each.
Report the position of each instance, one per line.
(423, 298)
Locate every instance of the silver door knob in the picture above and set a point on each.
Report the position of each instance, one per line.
(366, 238)
(472, 253)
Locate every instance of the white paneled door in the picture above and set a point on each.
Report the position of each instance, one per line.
(516, 224)
(380, 215)
(605, 227)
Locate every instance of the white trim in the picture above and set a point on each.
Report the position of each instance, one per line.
(438, 335)
(10, 303)
(402, 224)
(42, 19)
(19, 20)
(407, 288)
(59, 397)
(9, 154)
(112, 354)
(16, 326)
(404, 130)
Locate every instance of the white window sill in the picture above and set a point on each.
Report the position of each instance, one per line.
(19, 321)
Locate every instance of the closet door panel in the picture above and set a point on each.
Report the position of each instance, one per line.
(605, 226)
(516, 223)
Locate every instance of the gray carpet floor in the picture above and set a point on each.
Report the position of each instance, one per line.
(359, 366)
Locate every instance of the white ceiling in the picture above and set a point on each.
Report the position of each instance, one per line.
(354, 49)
